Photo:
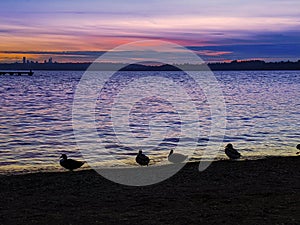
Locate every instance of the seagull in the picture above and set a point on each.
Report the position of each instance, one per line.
(298, 147)
(70, 164)
(142, 159)
(231, 152)
(176, 157)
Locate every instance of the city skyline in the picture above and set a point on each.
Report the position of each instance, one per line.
(28, 61)
(25, 60)
(217, 30)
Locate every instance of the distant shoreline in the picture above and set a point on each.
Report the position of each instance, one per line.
(231, 66)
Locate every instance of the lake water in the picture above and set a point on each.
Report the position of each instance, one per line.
(262, 111)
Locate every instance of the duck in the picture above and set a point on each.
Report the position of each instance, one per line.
(70, 164)
(176, 157)
(231, 152)
(298, 147)
(142, 159)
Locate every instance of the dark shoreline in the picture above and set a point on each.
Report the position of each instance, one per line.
(264, 191)
(224, 66)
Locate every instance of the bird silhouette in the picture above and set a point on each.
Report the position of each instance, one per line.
(176, 157)
(70, 164)
(231, 152)
(142, 159)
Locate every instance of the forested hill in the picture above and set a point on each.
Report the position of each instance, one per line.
(234, 65)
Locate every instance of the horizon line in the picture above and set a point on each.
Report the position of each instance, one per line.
(148, 63)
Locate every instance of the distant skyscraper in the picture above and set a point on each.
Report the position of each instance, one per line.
(24, 60)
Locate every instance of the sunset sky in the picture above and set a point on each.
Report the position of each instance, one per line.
(218, 30)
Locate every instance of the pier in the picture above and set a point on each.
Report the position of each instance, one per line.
(19, 73)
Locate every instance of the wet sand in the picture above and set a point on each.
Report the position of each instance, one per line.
(265, 191)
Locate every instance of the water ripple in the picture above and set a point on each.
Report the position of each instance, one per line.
(263, 110)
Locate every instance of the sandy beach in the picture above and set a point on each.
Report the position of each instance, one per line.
(265, 191)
